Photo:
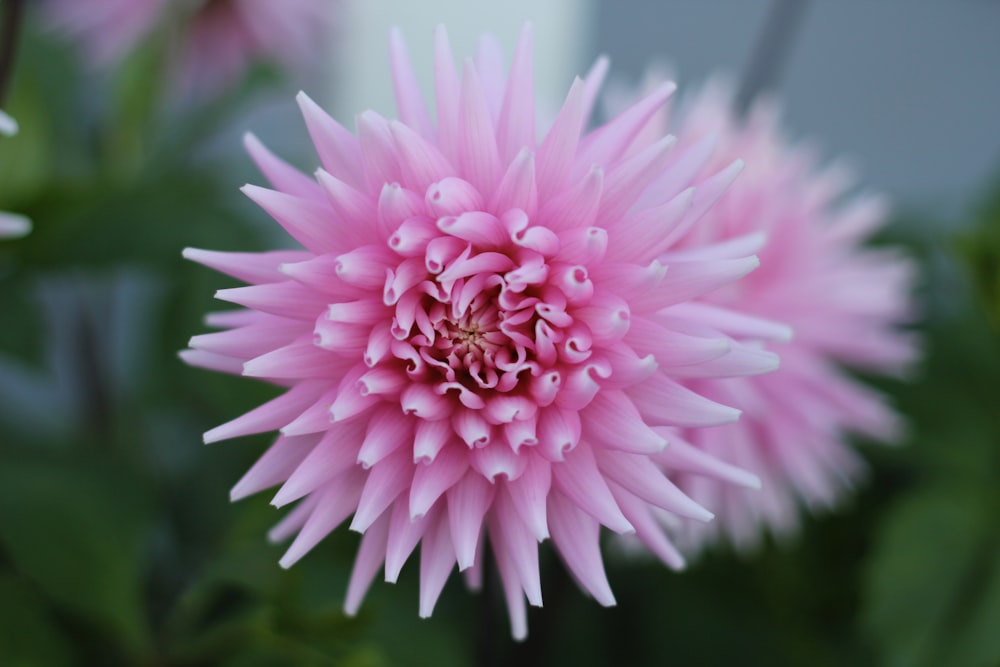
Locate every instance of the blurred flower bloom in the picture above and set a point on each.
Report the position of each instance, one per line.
(844, 302)
(480, 337)
(225, 36)
(12, 225)
(214, 41)
(106, 30)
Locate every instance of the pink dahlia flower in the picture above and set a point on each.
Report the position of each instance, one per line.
(478, 336)
(844, 302)
(225, 36)
(107, 30)
(214, 40)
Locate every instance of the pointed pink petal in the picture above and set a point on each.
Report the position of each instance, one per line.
(378, 151)
(687, 280)
(642, 236)
(732, 322)
(333, 455)
(612, 421)
(644, 479)
(513, 594)
(628, 180)
(409, 99)
(371, 554)
(297, 361)
(252, 340)
(517, 189)
(336, 502)
(274, 466)
(558, 151)
(684, 457)
(388, 430)
(741, 360)
(579, 479)
(271, 415)
(662, 401)
(338, 149)
(286, 299)
(250, 267)
(673, 348)
(592, 84)
(608, 143)
(576, 537)
(212, 361)
(437, 558)
(386, 480)
(647, 528)
(529, 494)
(308, 221)
(446, 93)
(479, 158)
(314, 419)
(468, 501)
(516, 126)
(558, 432)
(511, 535)
(420, 161)
(404, 533)
(279, 173)
(431, 480)
(497, 461)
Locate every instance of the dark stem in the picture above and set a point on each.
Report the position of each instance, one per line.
(13, 12)
(486, 644)
(770, 53)
(95, 388)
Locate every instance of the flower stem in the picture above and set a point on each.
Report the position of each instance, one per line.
(486, 644)
(770, 53)
(13, 11)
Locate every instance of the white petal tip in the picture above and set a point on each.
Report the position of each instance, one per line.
(8, 126)
(14, 226)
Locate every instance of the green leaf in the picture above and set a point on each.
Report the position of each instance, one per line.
(921, 568)
(980, 251)
(77, 534)
(28, 635)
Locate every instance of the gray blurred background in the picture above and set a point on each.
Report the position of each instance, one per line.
(907, 90)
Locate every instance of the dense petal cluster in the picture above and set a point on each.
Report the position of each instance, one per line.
(845, 303)
(480, 340)
(214, 40)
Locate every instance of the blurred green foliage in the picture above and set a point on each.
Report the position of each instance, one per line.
(118, 545)
(980, 250)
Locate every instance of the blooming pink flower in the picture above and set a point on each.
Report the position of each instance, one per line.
(478, 337)
(225, 36)
(214, 40)
(844, 302)
(107, 30)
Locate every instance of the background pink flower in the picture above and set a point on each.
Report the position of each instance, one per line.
(844, 301)
(213, 41)
(478, 338)
(106, 30)
(223, 37)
